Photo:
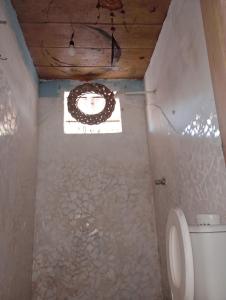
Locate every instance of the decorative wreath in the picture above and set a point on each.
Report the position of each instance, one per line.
(89, 119)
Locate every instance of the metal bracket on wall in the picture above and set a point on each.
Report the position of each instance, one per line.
(3, 22)
(161, 181)
(3, 58)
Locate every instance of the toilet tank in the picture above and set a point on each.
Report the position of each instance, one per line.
(209, 256)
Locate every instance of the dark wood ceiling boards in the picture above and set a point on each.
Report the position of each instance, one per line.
(48, 25)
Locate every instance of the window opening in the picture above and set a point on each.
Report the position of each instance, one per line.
(91, 103)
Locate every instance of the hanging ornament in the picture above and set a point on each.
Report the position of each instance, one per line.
(115, 51)
(115, 48)
(71, 46)
(111, 4)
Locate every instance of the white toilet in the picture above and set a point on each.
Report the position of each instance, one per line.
(196, 259)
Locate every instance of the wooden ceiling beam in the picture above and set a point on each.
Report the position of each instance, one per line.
(88, 73)
(100, 57)
(48, 25)
(137, 11)
(58, 35)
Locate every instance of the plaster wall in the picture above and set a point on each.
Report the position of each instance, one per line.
(95, 235)
(185, 145)
(18, 94)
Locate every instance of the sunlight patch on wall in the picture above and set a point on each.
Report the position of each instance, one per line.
(203, 127)
(92, 104)
(8, 117)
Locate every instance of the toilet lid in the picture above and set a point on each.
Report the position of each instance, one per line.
(179, 256)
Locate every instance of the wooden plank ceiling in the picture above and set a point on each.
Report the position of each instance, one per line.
(48, 26)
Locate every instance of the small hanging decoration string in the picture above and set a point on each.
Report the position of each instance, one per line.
(112, 15)
(112, 38)
(112, 5)
(124, 19)
(98, 8)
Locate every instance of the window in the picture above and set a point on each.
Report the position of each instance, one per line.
(91, 103)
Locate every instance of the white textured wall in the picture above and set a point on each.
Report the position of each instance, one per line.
(17, 168)
(94, 232)
(190, 155)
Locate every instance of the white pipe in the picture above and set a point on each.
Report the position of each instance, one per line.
(136, 93)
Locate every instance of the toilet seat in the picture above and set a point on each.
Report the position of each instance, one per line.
(179, 256)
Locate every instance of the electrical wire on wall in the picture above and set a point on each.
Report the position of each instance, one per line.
(152, 104)
(165, 116)
(199, 126)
